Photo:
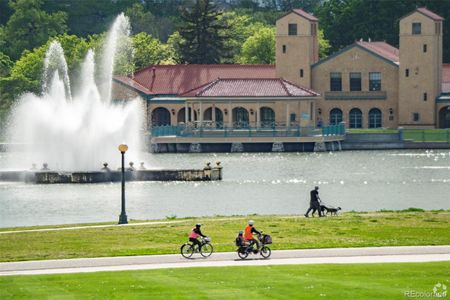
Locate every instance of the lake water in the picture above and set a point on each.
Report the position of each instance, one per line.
(253, 183)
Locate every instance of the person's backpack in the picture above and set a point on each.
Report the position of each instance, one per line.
(238, 241)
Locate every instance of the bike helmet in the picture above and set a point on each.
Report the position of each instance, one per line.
(251, 222)
(316, 188)
(241, 232)
(198, 225)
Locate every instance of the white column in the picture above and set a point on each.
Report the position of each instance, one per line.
(230, 115)
(213, 113)
(192, 112)
(201, 113)
(287, 113)
(186, 112)
(258, 115)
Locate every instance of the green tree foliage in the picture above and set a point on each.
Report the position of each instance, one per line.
(201, 31)
(238, 29)
(324, 45)
(306, 5)
(88, 17)
(345, 21)
(150, 51)
(30, 27)
(259, 48)
(5, 65)
(5, 12)
(144, 21)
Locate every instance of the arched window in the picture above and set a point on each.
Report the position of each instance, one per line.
(207, 116)
(444, 117)
(240, 117)
(267, 117)
(375, 120)
(160, 116)
(355, 118)
(335, 116)
(181, 118)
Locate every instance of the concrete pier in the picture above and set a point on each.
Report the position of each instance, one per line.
(50, 177)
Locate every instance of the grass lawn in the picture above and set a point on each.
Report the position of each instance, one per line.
(357, 281)
(288, 232)
(416, 135)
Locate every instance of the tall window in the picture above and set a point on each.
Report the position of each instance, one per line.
(424, 48)
(335, 116)
(374, 118)
(313, 29)
(301, 72)
(355, 81)
(374, 81)
(355, 118)
(406, 72)
(292, 29)
(267, 117)
(416, 117)
(425, 96)
(284, 48)
(335, 81)
(416, 28)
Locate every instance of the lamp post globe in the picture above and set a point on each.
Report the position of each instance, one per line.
(123, 216)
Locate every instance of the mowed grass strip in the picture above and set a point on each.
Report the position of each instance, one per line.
(355, 281)
(288, 232)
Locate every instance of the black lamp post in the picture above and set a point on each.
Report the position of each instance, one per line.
(123, 216)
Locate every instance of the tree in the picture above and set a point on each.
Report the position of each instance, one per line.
(150, 51)
(259, 48)
(5, 10)
(145, 21)
(306, 5)
(345, 21)
(239, 29)
(201, 32)
(88, 17)
(29, 27)
(5, 65)
(324, 45)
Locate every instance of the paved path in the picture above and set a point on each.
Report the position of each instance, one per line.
(280, 257)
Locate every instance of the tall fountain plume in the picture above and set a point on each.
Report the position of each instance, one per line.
(80, 130)
(117, 40)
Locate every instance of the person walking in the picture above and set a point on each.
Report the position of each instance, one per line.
(314, 202)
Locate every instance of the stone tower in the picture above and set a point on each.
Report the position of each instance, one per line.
(420, 72)
(297, 46)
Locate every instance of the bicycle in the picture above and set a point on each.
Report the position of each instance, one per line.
(265, 239)
(206, 249)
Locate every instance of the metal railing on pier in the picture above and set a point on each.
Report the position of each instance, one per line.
(241, 129)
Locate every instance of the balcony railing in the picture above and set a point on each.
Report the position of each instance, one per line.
(245, 130)
(356, 95)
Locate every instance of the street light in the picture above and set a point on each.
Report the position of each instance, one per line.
(123, 216)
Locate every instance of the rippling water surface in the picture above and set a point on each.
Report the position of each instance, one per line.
(262, 183)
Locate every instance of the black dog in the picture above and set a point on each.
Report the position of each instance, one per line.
(325, 210)
(332, 210)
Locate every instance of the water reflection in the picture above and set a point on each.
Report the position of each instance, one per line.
(262, 183)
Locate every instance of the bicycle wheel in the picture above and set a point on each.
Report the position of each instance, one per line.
(187, 250)
(206, 250)
(265, 252)
(242, 254)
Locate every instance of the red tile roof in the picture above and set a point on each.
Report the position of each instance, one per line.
(383, 49)
(250, 87)
(304, 14)
(430, 14)
(177, 79)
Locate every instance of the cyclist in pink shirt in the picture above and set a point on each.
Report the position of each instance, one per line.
(195, 233)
